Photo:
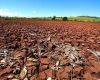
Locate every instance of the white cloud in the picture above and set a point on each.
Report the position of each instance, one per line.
(6, 12)
(9, 13)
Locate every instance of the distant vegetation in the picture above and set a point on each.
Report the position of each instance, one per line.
(54, 18)
(84, 19)
(89, 16)
(65, 19)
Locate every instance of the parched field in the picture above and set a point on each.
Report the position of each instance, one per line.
(49, 50)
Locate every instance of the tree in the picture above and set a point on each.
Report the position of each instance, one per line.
(54, 17)
(65, 19)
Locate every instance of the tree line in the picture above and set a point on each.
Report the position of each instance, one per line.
(54, 18)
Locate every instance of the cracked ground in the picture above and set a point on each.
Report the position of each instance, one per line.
(49, 50)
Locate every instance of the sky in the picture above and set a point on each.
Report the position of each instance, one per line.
(49, 8)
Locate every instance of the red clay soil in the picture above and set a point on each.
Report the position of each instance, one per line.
(46, 50)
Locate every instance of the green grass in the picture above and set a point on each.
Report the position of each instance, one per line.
(84, 19)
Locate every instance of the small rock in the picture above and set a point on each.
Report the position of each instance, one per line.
(49, 78)
(23, 73)
(44, 61)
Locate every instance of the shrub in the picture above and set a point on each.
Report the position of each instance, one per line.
(65, 19)
(54, 17)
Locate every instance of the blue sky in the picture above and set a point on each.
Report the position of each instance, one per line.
(47, 8)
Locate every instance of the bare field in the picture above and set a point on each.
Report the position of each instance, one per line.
(49, 50)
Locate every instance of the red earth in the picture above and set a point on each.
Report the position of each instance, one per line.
(46, 50)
